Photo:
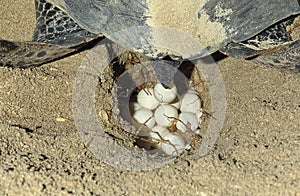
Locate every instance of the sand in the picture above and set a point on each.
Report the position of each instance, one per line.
(41, 152)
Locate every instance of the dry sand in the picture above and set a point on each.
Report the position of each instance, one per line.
(257, 153)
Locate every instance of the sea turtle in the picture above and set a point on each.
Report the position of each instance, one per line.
(240, 28)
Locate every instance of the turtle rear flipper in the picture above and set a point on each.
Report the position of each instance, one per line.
(54, 26)
(272, 37)
(29, 54)
(55, 36)
(245, 18)
(278, 46)
(286, 57)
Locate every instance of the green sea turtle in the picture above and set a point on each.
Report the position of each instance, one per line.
(243, 29)
(266, 31)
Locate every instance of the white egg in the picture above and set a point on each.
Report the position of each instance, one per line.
(187, 120)
(188, 146)
(176, 104)
(190, 103)
(165, 115)
(192, 91)
(174, 145)
(145, 117)
(158, 133)
(199, 115)
(164, 95)
(134, 106)
(146, 99)
(197, 131)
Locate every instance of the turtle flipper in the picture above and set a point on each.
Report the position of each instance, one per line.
(60, 34)
(271, 37)
(278, 46)
(54, 26)
(29, 54)
(286, 57)
(245, 18)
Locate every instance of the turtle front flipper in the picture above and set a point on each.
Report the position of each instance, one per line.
(29, 54)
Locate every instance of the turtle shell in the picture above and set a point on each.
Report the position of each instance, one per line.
(178, 28)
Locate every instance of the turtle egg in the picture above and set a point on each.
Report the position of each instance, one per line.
(165, 95)
(190, 103)
(199, 115)
(192, 91)
(165, 115)
(197, 131)
(146, 99)
(144, 116)
(173, 144)
(134, 106)
(176, 104)
(158, 133)
(187, 120)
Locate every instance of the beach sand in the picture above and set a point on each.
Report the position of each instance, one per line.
(41, 152)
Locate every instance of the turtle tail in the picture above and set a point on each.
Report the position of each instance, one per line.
(30, 54)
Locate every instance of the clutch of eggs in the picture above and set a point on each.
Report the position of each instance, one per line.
(168, 116)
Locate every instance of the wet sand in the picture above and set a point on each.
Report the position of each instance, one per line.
(41, 152)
